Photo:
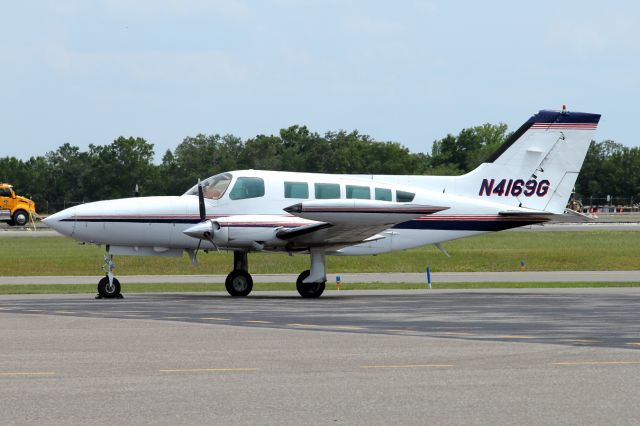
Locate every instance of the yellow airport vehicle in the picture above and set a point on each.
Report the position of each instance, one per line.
(14, 209)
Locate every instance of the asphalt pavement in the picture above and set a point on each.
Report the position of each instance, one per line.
(563, 356)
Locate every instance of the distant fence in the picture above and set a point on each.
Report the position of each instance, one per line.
(49, 208)
(612, 209)
(610, 201)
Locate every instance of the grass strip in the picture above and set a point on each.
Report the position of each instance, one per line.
(501, 251)
(206, 287)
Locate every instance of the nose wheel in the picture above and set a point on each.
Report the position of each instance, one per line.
(109, 286)
(108, 290)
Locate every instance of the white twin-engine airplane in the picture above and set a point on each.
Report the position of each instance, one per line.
(528, 180)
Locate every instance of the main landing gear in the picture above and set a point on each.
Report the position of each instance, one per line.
(310, 283)
(239, 281)
(109, 286)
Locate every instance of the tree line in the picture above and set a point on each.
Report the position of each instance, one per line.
(69, 175)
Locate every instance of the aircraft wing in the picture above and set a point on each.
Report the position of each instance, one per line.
(342, 223)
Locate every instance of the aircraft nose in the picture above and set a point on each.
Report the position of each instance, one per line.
(64, 222)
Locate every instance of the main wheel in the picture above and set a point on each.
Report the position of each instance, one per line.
(311, 290)
(20, 218)
(108, 291)
(239, 283)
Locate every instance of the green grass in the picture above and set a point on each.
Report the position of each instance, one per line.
(541, 251)
(202, 287)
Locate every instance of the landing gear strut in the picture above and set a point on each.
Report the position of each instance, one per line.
(109, 286)
(311, 283)
(239, 281)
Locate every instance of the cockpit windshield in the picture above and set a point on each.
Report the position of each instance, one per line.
(213, 187)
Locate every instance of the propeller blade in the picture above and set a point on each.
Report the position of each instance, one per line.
(209, 238)
(203, 211)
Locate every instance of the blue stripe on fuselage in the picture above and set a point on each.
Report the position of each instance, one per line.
(465, 225)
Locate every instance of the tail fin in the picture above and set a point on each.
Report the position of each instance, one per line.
(538, 165)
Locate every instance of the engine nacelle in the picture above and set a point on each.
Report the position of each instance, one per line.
(219, 233)
(246, 231)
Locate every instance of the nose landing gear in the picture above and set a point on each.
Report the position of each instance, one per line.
(109, 286)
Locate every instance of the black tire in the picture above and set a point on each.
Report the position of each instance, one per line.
(239, 283)
(106, 292)
(20, 218)
(309, 290)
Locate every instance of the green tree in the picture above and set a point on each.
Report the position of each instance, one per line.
(467, 150)
(117, 168)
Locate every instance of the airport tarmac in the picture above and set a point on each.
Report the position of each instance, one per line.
(534, 356)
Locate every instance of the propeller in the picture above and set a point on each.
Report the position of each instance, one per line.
(208, 235)
(203, 210)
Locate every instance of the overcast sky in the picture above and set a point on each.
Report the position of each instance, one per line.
(409, 71)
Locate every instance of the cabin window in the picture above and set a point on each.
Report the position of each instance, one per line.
(360, 192)
(326, 191)
(247, 187)
(404, 197)
(383, 194)
(296, 190)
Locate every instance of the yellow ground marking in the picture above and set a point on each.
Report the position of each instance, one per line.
(205, 370)
(514, 337)
(409, 366)
(295, 324)
(175, 317)
(27, 373)
(135, 315)
(258, 322)
(215, 318)
(348, 327)
(454, 333)
(634, 343)
(581, 340)
(596, 363)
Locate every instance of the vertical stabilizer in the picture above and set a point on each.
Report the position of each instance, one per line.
(538, 165)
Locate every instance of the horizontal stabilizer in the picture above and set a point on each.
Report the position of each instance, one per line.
(568, 216)
(572, 216)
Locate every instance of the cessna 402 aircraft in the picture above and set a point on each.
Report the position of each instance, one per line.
(527, 180)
